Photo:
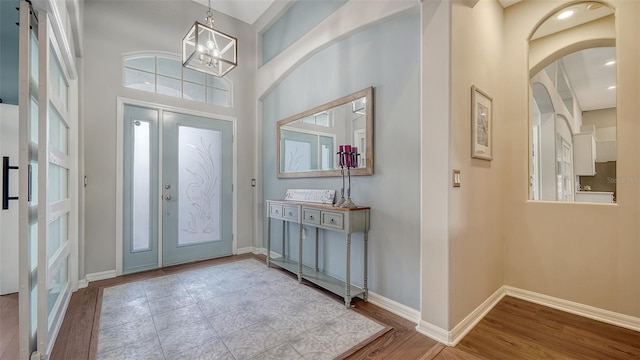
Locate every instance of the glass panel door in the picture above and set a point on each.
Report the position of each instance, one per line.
(197, 188)
(28, 174)
(54, 203)
(48, 215)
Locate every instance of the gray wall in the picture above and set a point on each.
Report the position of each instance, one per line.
(116, 27)
(386, 56)
(9, 34)
(301, 17)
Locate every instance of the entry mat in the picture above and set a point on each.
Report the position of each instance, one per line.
(237, 311)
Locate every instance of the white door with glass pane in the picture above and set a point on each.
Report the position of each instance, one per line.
(48, 167)
(186, 212)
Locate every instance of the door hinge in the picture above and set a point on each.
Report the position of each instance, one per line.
(231, 187)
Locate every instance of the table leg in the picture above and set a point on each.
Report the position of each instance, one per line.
(316, 249)
(300, 255)
(365, 288)
(268, 240)
(347, 293)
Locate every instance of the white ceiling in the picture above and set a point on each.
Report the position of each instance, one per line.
(245, 10)
(589, 77)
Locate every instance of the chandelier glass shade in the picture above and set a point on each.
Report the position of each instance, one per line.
(208, 50)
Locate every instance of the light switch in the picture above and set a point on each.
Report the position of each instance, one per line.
(456, 178)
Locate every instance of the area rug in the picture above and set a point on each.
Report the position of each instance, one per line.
(237, 311)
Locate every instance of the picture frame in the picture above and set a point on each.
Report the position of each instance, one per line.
(481, 125)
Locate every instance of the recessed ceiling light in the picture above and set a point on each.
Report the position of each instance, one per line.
(566, 14)
(594, 6)
(612, 87)
(610, 62)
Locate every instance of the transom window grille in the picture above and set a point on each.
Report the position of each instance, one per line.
(320, 119)
(165, 75)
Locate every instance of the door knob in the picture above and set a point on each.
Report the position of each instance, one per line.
(167, 197)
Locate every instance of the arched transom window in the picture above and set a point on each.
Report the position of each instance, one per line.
(164, 74)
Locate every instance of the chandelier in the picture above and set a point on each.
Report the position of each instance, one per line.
(208, 50)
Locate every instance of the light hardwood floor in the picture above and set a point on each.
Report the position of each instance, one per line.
(514, 329)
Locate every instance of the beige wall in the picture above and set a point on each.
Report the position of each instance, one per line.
(579, 252)
(475, 241)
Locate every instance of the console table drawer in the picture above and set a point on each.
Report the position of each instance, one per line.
(276, 211)
(310, 216)
(290, 213)
(332, 219)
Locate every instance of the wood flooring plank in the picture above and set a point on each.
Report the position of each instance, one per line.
(451, 353)
(8, 322)
(433, 352)
(74, 336)
(12, 351)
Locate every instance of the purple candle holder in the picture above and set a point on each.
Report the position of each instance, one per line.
(347, 158)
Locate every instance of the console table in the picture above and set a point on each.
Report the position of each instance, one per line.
(326, 217)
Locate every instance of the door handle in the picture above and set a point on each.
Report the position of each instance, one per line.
(5, 182)
(167, 197)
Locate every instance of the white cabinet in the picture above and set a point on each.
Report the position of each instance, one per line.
(584, 154)
(605, 197)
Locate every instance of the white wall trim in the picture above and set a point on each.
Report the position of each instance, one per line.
(249, 250)
(395, 307)
(469, 322)
(590, 312)
(434, 332)
(453, 337)
(82, 283)
(102, 275)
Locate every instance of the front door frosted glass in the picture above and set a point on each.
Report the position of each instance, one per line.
(140, 189)
(197, 204)
(141, 185)
(199, 163)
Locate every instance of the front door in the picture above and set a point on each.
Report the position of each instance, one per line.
(187, 215)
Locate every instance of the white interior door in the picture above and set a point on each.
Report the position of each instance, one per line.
(48, 166)
(28, 204)
(9, 211)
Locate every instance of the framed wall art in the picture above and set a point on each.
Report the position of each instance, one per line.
(481, 125)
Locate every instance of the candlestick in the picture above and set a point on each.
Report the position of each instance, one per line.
(341, 163)
(351, 160)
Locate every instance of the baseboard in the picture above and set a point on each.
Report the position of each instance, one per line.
(394, 307)
(587, 311)
(247, 250)
(83, 283)
(453, 337)
(103, 275)
(469, 322)
(434, 332)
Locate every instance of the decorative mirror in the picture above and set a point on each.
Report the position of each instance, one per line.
(308, 142)
(572, 119)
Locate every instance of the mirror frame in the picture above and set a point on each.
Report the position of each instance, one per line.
(367, 170)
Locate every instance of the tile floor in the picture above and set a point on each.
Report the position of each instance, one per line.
(237, 311)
